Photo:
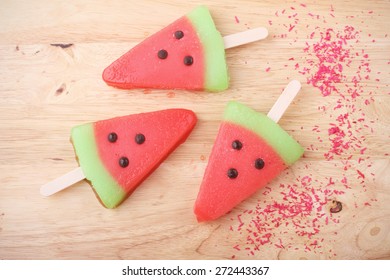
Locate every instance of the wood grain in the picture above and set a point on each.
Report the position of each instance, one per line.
(52, 54)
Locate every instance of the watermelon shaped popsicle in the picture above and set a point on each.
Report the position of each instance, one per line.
(187, 54)
(118, 154)
(250, 150)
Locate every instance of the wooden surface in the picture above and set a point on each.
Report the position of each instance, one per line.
(46, 89)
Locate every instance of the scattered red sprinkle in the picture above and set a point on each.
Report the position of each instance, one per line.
(361, 175)
(327, 59)
(336, 66)
(301, 209)
(237, 20)
(314, 16)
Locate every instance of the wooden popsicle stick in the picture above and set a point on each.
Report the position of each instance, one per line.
(63, 182)
(245, 37)
(284, 100)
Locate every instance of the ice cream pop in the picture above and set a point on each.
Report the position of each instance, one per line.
(250, 150)
(187, 54)
(118, 154)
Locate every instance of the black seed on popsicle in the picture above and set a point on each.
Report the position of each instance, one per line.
(232, 173)
(237, 145)
(139, 138)
(179, 34)
(123, 162)
(259, 163)
(162, 54)
(112, 137)
(188, 60)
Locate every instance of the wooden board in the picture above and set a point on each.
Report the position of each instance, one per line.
(46, 89)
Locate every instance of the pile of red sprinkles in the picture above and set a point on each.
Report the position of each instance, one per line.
(301, 209)
(290, 215)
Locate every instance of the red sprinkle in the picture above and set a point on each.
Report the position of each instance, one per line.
(361, 175)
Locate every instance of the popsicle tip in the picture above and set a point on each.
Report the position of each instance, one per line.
(107, 74)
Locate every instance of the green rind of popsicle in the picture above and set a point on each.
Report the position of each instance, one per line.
(216, 75)
(286, 147)
(106, 187)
